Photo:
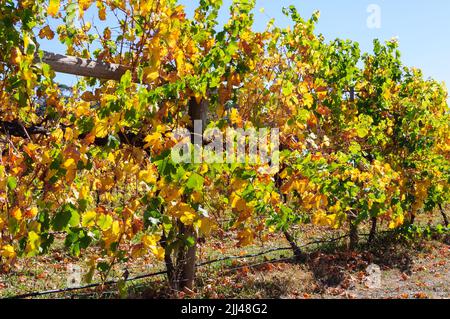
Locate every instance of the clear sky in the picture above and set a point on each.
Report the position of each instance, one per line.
(422, 26)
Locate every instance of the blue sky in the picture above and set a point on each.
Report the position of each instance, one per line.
(421, 26)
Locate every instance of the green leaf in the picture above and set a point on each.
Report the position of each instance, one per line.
(76, 240)
(13, 225)
(287, 89)
(354, 148)
(85, 124)
(232, 48)
(103, 266)
(11, 183)
(104, 222)
(190, 241)
(67, 216)
(195, 182)
(125, 81)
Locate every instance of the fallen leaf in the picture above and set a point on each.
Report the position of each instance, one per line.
(421, 295)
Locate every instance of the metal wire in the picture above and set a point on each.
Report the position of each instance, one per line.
(202, 264)
(143, 276)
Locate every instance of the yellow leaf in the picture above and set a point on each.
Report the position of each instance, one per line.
(159, 252)
(235, 118)
(111, 158)
(104, 221)
(112, 235)
(16, 56)
(238, 203)
(146, 7)
(58, 135)
(68, 135)
(300, 186)
(180, 60)
(31, 213)
(169, 193)
(115, 229)
(150, 75)
(30, 149)
(102, 14)
(204, 169)
(84, 4)
(84, 192)
(205, 226)
(69, 164)
(362, 132)
(46, 157)
(88, 219)
(336, 208)
(137, 251)
(238, 184)
(321, 219)
(82, 108)
(196, 197)
(397, 222)
(53, 7)
(17, 213)
(101, 128)
(188, 218)
(147, 176)
(184, 212)
(150, 240)
(308, 100)
(34, 240)
(284, 174)
(8, 252)
(153, 139)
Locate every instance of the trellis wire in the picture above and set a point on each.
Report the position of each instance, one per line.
(163, 272)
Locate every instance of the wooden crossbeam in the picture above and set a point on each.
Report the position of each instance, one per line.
(83, 67)
(76, 66)
(96, 69)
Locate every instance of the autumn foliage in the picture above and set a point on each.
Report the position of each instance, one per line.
(364, 139)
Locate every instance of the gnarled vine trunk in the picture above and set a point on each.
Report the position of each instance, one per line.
(444, 215)
(354, 236)
(373, 230)
(181, 259)
(298, 253)
(198, 111)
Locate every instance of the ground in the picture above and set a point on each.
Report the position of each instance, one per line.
(409, 269)
(425, 273)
